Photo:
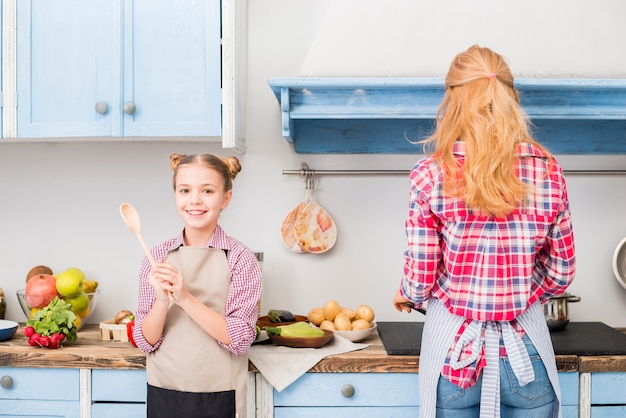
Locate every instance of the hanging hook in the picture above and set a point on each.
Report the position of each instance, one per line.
(308, 176)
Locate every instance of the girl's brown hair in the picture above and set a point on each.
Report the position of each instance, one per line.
(481, 107)
(227, 167)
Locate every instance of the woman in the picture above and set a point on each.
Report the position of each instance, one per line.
(489, 237)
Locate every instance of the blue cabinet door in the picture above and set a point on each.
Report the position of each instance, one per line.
(65, 63)
(172, 68)
(121, 68)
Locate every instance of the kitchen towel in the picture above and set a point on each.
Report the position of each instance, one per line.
(282, 365)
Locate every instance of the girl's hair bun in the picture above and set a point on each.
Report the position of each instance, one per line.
(233, 165)
(175, 160)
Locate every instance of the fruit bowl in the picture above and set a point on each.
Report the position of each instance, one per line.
(7, 329)
(84, 303)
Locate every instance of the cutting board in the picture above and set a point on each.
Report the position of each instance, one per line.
(578, 338)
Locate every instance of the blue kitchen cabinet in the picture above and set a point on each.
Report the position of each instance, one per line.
(341, 395)
(118, 68)
(35, 392)
(364, 395)
(608, 395)
(118, 393)
(569, 394)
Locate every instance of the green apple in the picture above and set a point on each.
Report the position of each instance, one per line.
(79, 302)
(77, 271)
(69, 283)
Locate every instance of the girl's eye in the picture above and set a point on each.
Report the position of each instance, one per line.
(207, 191)
(183, 191)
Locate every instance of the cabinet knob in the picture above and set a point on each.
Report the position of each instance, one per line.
(101, 108)
(129, 108)
(6, 382)
(347, 391)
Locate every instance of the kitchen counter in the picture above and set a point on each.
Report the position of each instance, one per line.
(93, 353)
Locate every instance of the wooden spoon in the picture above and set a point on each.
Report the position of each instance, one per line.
(131, 218)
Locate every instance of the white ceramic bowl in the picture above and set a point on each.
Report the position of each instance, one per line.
(619, 263)
(7, 329)
(356, 335)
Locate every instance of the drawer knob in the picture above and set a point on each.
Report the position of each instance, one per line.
(6, 382)
(129, 108)
(101, 108)
(347, 391)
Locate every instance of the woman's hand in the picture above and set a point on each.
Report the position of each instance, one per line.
(399, 302)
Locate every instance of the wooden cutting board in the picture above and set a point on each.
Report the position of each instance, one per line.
(578, 338)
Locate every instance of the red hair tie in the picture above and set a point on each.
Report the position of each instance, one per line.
(490, 76)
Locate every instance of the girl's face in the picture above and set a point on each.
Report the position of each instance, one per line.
(200, 196)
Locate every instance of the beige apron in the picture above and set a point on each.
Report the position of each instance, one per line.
(189, 359)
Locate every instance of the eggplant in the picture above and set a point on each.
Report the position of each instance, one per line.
(277, 315)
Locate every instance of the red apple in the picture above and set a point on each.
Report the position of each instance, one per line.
(40, 290)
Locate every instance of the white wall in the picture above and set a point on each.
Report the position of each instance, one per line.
(60, 201)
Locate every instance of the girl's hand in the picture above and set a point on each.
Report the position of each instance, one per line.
(158, 285)
(399, 302)
(169, 281)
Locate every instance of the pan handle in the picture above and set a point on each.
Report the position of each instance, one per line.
(412, 306)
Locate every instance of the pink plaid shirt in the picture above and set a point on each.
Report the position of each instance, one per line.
(241, 310)
(484, 268)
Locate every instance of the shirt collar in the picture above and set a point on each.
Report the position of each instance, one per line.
(218, 240)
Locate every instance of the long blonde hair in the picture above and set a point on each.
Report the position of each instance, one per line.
(481, 107)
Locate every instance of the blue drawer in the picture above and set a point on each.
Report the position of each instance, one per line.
(370, 389)
(608, 388)
(118, 385)
(41, 384)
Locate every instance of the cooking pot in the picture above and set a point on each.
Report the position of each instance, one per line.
(555, 311)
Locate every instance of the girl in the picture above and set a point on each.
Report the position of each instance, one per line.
(489, 237)
(197, 307)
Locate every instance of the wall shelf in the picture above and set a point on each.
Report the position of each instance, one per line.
(385, 115)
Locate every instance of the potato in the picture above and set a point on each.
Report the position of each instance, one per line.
(350, 312)
(331, 309)
(342, 322)
(316, 316)
(361, 324)
(328, 325)
(365, 312)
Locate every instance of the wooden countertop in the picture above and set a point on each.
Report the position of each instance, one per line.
(93, 353)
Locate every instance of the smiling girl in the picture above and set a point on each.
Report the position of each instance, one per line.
(197, 307)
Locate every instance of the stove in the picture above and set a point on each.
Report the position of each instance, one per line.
(578, 338)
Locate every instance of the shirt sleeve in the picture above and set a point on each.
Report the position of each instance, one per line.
(242, 304)
(423, 253)
(145, 301)
(556, 262)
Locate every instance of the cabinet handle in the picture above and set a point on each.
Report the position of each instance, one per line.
(129, 108)
(101, 108)
(347, 391)
(6, 382)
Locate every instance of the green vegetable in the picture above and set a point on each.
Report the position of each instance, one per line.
(55, 318)
(276, 315)
(298, 330)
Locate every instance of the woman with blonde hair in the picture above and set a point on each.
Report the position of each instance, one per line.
(489, 238)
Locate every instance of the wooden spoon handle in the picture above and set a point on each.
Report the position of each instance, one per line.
(146, 250)
(151, 259)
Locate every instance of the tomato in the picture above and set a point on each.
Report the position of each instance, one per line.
(130, 326)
